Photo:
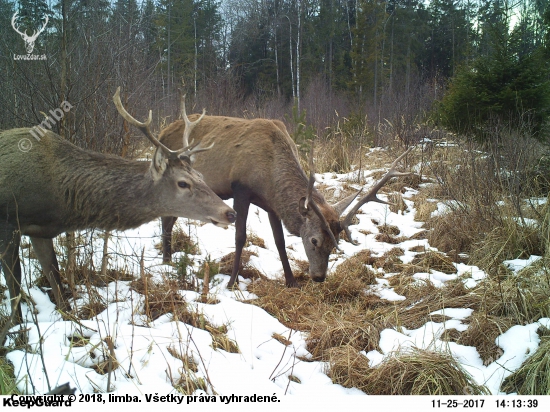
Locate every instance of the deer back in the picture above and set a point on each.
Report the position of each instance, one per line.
(256, 153)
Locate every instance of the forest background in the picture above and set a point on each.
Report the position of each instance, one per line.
(319, 65)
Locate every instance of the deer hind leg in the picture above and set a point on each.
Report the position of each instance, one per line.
(279, 237)
(167, 225)
(9, 256)
(241, 203)
(43, 248)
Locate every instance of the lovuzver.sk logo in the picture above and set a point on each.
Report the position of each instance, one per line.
(29, 40)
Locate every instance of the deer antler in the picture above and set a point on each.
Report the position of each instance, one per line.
(309, 203)
(143, 126)
(186, 152)
(371, 195)
(189, 125)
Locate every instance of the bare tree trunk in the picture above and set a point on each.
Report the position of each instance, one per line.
(277, 64)
(169, 79)
(291, 62)
(196, 57)
(298, 50)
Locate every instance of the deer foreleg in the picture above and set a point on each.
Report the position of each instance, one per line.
(43, 248)
(241, 203)
(279, 237)
(167, 225)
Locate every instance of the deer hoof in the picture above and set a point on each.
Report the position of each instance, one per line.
(292, 284)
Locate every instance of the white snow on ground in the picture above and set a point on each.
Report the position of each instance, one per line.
(145, 350)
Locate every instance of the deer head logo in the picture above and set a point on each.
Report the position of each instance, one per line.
(29, 40)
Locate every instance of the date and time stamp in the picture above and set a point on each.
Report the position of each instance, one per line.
(498, 403)
(485, 403)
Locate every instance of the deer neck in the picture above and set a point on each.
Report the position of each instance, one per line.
(109, 193)
(292, 186)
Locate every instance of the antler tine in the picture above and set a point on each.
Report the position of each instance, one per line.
(371, 195)
(189, 125)
(190, 150)
(143, 126)
(311, 180)
(310, 204)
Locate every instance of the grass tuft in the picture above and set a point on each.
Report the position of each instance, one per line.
(416, 372)
(533, 377)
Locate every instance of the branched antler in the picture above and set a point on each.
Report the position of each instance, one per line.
(189, 125)
(371, 195)
(186, 152)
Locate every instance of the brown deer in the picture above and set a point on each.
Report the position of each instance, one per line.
(256, 161)
(56, 187)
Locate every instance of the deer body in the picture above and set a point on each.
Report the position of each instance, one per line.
(57, 187)
(256, 161)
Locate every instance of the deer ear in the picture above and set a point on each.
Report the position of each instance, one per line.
(344, 203)
(159, 164)
(304, 211)
(188, 159)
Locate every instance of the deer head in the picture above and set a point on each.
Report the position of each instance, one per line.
(29, 40)
(175, 166)
(319, 234)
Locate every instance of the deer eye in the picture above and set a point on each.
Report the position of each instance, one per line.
(184, 185)
(314, 241)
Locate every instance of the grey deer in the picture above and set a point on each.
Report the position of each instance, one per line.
(57, 187)
(256, 162)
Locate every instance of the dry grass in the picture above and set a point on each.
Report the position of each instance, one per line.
(524, 297)
(424, 209)
(220, 340)
(533, 377)
(397, 204)
(253, 239)
(338, 312)
(454, 232)
(510, 240)
(350, 327)
(246, 270)
(181, 242)
(392, 240)
(164, 298)
(348, 367)
(434, 260)
(281, 339)
(189, 382)
(424, 299)
(482, 333)
(188, 362)
(418, 372)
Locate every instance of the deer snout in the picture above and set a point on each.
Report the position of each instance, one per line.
(224, 219)
(318, 278)
(231, 216)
